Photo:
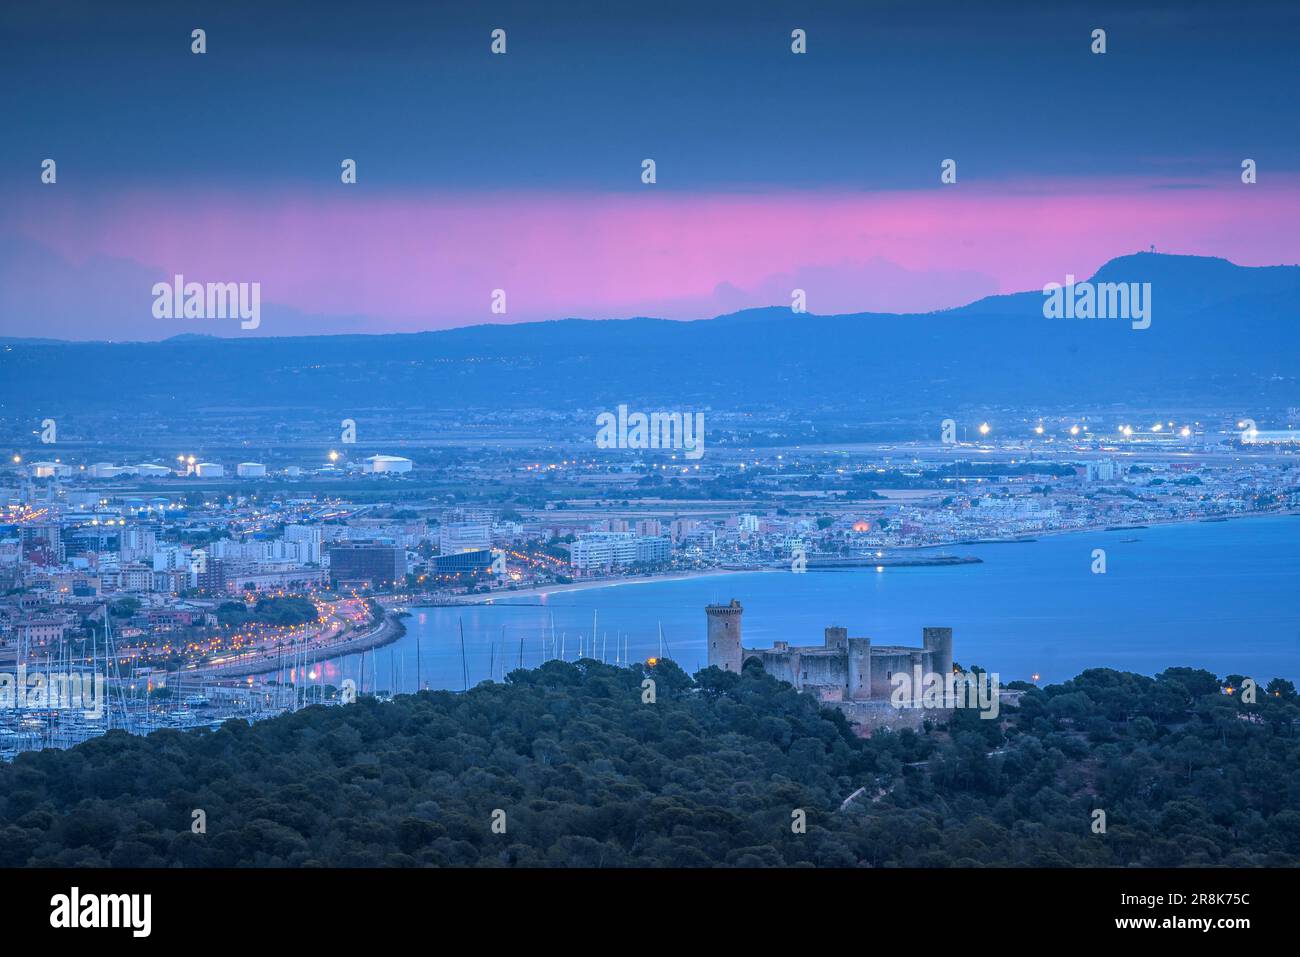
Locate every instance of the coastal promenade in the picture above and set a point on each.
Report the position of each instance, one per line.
(269, 660)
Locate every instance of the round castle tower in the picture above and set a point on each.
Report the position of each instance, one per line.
(938, 642)
(724, 636)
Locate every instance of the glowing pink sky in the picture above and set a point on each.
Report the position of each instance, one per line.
(425, 260)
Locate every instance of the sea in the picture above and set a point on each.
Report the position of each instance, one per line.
(1223, 596)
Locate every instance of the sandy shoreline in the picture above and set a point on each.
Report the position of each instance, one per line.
(543, 590)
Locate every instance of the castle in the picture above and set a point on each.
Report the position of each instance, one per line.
(844, 670)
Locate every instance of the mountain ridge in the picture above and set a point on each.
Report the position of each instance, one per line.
(1219, 331)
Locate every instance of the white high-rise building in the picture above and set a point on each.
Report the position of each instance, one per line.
(464, 537)
(137, 542)
(308, 538)
(611, 549)
(171, 558)
(1103, 470)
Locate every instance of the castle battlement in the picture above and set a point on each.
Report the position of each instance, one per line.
(843, 668)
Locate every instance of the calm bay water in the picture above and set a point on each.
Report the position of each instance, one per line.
(1219, 595)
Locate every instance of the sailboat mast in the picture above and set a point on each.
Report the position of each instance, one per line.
(464, 665)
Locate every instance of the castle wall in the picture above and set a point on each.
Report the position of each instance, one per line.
(783, 666)
(825, 670)
(869, 716)
(884, 664)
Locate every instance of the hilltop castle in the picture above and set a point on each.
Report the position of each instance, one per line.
(844, 670)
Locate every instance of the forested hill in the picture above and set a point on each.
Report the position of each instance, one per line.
(709, 774)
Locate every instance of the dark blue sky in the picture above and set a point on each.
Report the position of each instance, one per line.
(522, 172)
(710, 90)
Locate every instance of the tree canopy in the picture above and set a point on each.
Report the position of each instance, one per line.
(711, 773)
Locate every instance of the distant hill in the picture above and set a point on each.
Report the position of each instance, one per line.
(1219, 332)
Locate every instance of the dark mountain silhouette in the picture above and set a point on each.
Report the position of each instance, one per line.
(1219, 333)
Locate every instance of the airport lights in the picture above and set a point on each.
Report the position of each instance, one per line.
(984, 428)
